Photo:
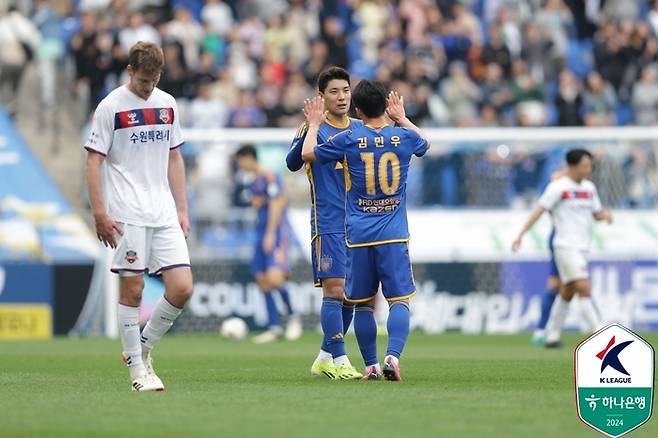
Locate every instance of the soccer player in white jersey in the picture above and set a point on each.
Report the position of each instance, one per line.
(573, 203)
(136, 132)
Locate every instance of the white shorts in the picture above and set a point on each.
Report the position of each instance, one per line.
(571, 264)
(150, 250)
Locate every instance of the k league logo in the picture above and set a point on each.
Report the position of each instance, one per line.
(614, 373)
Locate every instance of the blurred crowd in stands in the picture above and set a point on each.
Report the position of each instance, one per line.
(465, 63)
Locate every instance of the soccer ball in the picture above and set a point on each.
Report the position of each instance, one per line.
(234, 328)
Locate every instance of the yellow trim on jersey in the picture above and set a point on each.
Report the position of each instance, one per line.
(406, 297)
(347, 124)
(360, 300)
(377, 127)
(379, 242)
(301, 130)
(309, 175)
(318, 251)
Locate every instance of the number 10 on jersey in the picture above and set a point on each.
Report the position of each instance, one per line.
(382, 167)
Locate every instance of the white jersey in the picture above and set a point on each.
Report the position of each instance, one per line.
(136, 136)
(571, 205)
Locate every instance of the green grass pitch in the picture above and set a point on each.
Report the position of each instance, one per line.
(454, 386)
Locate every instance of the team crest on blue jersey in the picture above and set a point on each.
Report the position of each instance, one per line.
(164, 115)
(131, 256)
(326, 263)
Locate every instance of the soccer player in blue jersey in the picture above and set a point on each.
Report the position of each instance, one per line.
(270, 262)
(328, 251)
(377, 157)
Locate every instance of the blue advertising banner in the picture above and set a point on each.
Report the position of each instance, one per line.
(26, 283)
(624, 291)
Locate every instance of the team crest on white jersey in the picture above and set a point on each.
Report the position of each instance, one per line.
(132, 118)
(131, 256)
(164, 115)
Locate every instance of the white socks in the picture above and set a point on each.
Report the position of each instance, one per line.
(324, 356)
(556, 319)
(340, 360)
(590, 315)
(162, 318)
(128, 318)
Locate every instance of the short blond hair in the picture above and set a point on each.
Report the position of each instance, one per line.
(146, 57)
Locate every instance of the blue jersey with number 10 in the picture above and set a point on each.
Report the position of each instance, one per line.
(377, 162)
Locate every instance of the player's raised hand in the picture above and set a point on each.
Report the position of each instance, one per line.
(106, 227)
(314, 111)
(395, 107)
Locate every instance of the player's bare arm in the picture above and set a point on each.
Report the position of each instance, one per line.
(106, 227)
(603, 215)
(176, 177)
(395, 112)
(315, 114)
(274, 216)
(534, 217)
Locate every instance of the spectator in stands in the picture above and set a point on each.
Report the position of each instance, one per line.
(218, 16)
(174, 79)
(554, 19)
(461, 95)
(19, 39)
(204, 111)
(527, 97)
(51, 48)
(188, 33)
(246, 114)
(569, 100)
(138, 30)
(645, 97)
(495, 89)
(641, 177)
(260, 45)
(496, 52)
(599, 101)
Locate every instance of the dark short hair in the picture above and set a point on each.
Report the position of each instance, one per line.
(575, 155)
(246, 150)
(370, 98)
(146, 57)
(330, 74)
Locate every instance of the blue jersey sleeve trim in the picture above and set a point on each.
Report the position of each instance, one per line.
(294, 160)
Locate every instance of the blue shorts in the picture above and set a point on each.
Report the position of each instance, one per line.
(369, 266)
(328, 257)
(279, 258)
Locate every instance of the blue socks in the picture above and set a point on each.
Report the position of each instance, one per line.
(285, 296)
(272, 312)
(398, 327)
(546, 304)
(331, 319)
(365, 328)
(348, 314)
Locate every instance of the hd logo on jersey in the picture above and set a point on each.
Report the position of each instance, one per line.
(614, 380)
